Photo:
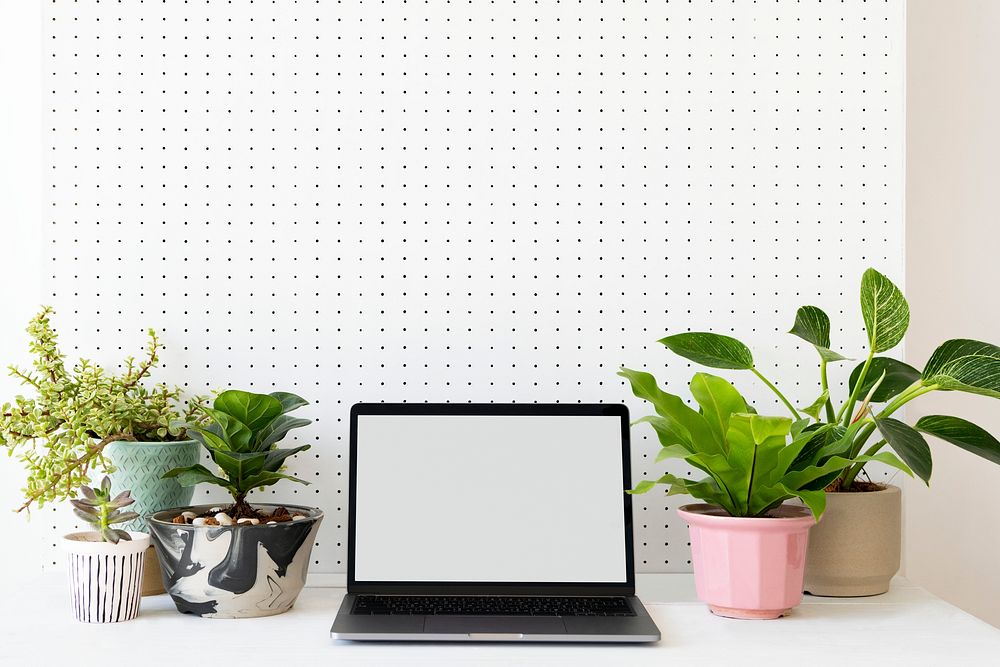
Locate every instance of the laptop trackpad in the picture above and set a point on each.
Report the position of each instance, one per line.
(534, 625)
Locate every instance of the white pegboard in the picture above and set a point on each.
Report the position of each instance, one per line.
(465, 201)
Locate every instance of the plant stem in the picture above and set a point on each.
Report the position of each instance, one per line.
(825, 385)
(904, 397)
(84, 460)
(103, 517)
(856, 469)
(907, 395)
(779, 394)
(848, 407)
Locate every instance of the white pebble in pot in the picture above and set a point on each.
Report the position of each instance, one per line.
(224, 519)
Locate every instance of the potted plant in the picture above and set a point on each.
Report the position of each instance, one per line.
(855, 550)
(106, 564)
(242, 560)
(86, 420)
(748, 549)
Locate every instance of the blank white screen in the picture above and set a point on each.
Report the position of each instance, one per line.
(489, 499)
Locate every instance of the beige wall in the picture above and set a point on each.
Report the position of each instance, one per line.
(952, 530)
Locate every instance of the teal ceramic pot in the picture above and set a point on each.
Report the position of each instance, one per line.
(139, 466)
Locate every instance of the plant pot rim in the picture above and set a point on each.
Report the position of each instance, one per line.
(707, 514)
(150, 443)
(165, 517)
(886, 489)
(90, 542)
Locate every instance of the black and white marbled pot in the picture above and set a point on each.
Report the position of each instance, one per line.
(240, 571)
(105, 580)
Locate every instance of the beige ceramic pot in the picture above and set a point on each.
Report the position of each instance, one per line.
(854, 550)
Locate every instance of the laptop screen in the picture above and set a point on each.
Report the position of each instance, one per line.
(489, 498)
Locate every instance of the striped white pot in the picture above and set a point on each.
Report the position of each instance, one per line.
(105, 580)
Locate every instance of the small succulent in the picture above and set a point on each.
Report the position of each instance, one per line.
(100, 510)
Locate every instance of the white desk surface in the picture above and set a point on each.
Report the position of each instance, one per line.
(907, 626)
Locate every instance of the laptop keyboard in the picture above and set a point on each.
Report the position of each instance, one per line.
(490, 605)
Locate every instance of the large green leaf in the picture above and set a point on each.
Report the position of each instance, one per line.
(718, 400)
(764, 498)
(239, 465)
(266, 478)
(909, 444)
(276, 430)
(676, 451)
(232, 430)
(813, 326)
(197, 474)
(888, 458)
(801, 451)
(815, 500)
(210, 438)
(898, 376)
(816, 407)
(668, 432)
(254, 410)
(288, 401)
(705, 490)
(884, 308)
(965, 365)
(682, 417)
(755, 444)
(841, 444)
(276, 457)
(710, 349)
(962, 433)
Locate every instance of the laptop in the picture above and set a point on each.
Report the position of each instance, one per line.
(486, 522)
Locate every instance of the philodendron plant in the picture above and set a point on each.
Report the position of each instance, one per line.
(241, 432)
(100, 510)
(754, 463)
(956, 365)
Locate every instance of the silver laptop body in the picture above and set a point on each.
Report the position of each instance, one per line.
(485, 522)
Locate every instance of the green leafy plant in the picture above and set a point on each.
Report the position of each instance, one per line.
(60, 433)
(754, 463)
(241, 431)
(956, 365)
(100, 510)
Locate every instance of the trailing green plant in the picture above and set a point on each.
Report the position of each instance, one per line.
(753, 463)
(100, 510)
(241, 432)
(956, 365)
(60, 433)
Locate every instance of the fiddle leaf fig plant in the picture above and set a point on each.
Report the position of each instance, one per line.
(753, 463)
(957, 365)
(241, 432)
(99, 509)
(60, 432)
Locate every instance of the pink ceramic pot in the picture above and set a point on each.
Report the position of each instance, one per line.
(748, 568)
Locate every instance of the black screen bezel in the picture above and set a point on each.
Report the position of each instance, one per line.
(491, 588)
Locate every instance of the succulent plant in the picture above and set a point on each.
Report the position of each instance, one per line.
(100, 510)
(59, 432)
